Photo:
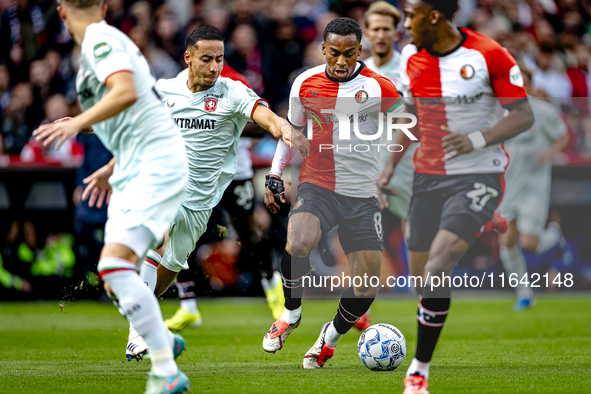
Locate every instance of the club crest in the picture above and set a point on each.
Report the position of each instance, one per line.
(211, 104)
(361, 96)
(467, 71)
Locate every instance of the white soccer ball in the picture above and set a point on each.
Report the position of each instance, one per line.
(382, 347)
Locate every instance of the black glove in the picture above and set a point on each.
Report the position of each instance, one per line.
(274, 184)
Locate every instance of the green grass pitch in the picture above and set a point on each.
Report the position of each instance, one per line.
(485, 348)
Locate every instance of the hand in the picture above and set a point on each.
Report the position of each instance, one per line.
(292, 136)
(455, 144)
(270, 198)
(98, 186)
(383, 188)
(61, 131)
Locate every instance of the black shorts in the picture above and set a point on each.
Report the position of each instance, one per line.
(359, 219)
(238, 199)
(461, 204)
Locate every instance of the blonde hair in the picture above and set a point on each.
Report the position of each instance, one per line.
(382, 8)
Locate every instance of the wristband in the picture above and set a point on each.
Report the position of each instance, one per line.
(274, 184)
(478, 141)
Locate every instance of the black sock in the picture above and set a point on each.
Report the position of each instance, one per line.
(351, 308)
(186, 289)
(293, 270)
(431, 316)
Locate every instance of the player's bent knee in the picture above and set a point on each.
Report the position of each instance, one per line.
(366, 292)
(299, 247)
(529, 242)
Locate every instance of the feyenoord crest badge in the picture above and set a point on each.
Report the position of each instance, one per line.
(298, 203)
(361, 96)
(211, 104)
(467, 71)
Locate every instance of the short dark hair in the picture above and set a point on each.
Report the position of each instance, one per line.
(83, 3)
(203, 33)
(343, 27)
(446, 7)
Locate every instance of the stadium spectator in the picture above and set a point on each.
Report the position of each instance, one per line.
(244, 56)
(117, 16)
(142, 14)
(70, 153)
(17, 122)
(283, 55)
(555, 84)
(5, 90)
(162, 64)
(167, 35)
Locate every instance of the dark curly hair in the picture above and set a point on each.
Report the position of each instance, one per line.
(446, 7)
(203, 33)
(343, 27)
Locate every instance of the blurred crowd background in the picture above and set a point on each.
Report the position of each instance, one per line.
(270, 42)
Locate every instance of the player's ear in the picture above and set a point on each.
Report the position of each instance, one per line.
(359, 50)
(104, 10)
(187, 57)
(434, 17)
(323, 49)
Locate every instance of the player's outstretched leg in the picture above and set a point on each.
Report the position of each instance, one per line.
(139, 305)
(293, 270)
(137, 348)
(188, 315)
(167, 385)
(351, 308)
(273, 288)
(432, 312)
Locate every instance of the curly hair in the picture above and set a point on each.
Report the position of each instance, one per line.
(343, 27)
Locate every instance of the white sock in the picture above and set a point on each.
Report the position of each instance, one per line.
(149, 269)
(419, 367)
(549, 237)
(514, 263)
(332, 336)
(291, 316)
(139, 305)
(190, 304)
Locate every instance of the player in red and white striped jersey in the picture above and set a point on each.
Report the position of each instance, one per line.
(337, 181)
(459, 81)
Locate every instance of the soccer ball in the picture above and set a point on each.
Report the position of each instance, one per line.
(382, 347)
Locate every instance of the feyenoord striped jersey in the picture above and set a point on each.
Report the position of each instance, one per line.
(346, 163)
(464, 90)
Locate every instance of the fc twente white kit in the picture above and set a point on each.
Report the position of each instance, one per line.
(211, 122)
(150, 176)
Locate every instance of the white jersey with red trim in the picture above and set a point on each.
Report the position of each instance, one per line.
(144, 130)
(211, 122)
(346, 164)
(463, 90)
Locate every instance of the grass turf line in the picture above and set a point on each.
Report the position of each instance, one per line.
(485, 348)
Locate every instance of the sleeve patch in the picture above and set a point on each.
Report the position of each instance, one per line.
(251, 92)
(515, 76)
(101, 50)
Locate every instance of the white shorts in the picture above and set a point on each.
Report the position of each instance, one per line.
(184, 233)
(149, 200)
(530, 213)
